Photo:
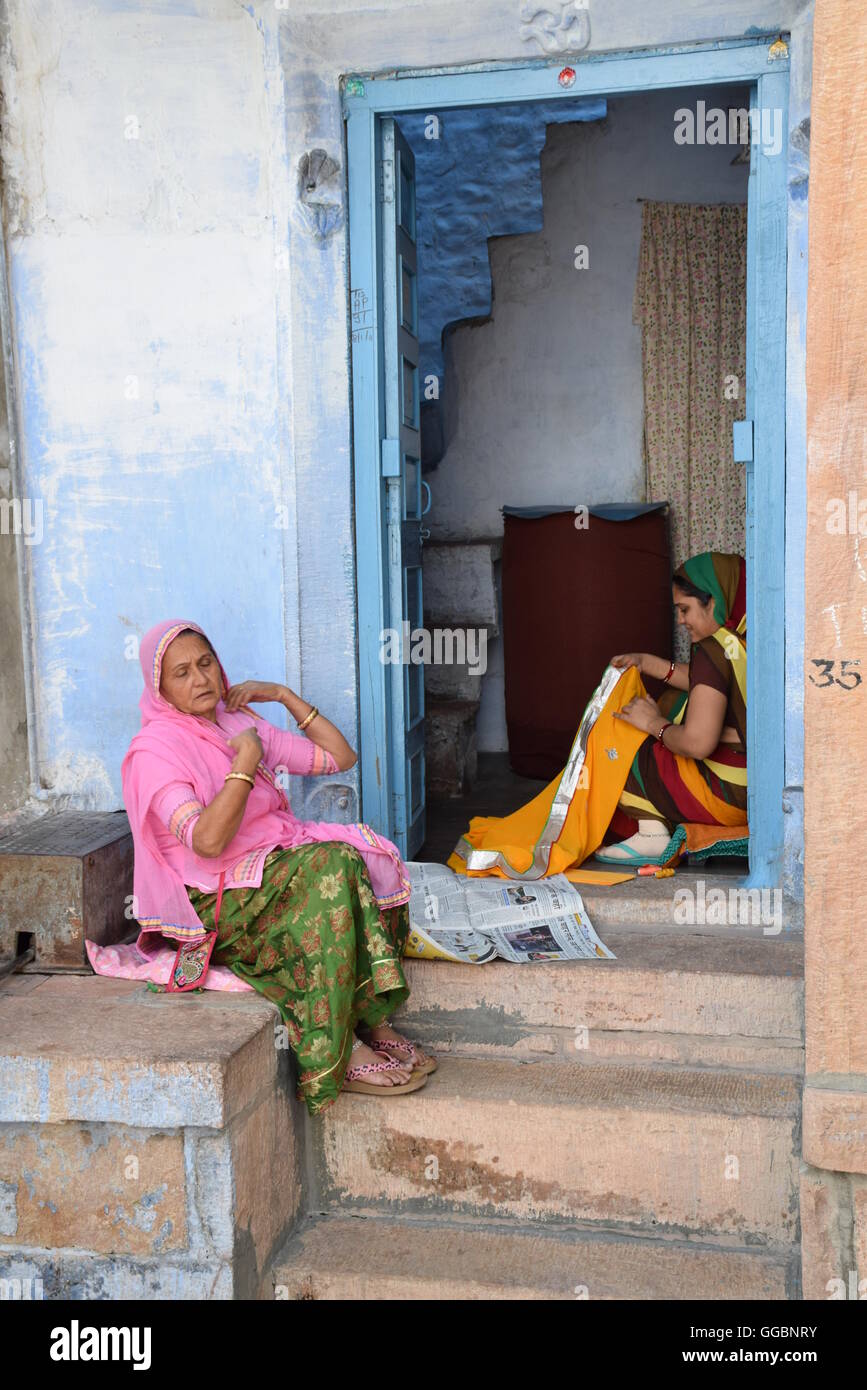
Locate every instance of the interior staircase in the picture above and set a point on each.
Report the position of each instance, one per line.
(624, 1129)
(460, 595)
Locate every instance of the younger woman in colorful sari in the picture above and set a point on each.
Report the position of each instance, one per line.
(694, 768)
(312, 915)
(637, 766)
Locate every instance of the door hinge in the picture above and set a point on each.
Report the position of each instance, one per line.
(390, 458)
(386, 181)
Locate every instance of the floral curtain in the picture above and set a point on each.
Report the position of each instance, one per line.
(690, 301)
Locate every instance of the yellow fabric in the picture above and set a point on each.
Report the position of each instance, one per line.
(593, 876)
(722, 812)
(725, 773)
(737, 656)
(592, 805)
(638, 803)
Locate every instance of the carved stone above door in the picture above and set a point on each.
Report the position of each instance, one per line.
(563, 28)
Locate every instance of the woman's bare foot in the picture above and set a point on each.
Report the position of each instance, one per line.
(383, 1032)
(363, 1056)
(652, 838)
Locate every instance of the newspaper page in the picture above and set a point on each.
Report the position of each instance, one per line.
(474, 920)
(439, 919)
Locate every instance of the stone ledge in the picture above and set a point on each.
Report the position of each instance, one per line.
(111, 1051)
(79, 1275)
(150, 1145)
(109, 1190)
(656, 902)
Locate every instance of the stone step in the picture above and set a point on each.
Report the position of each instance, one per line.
(670, 996)
(670, 1150)
(710, 900)
(459, 584)
(452, 681)
(451, 755)
(343, 1258)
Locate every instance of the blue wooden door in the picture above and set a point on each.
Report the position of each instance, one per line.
(760, 444)
(401, 469)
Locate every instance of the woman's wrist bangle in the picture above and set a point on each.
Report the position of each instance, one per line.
(669, 673)
(669, 724)
(308, 719)
(241, 777)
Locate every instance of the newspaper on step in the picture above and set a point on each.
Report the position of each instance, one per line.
(475, 920)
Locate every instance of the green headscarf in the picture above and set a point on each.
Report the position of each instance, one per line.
(724, 578)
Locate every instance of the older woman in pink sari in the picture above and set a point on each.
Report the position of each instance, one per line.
(312, 915)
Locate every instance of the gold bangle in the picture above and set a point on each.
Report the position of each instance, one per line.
(242, 777)
(310, 717)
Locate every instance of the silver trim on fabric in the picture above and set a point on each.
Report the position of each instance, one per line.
(480, 860)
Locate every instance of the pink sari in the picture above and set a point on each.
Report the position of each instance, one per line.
(172, 746)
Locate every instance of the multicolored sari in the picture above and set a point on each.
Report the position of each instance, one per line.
(614, 770)
(708, 791)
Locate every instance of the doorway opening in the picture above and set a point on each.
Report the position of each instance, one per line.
(507, 355)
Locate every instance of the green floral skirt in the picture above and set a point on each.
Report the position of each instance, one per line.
(312, 940)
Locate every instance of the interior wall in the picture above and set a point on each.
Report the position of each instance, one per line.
(544, 399)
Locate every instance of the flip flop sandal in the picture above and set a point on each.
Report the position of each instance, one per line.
(352, 1080)
(391, 1047)
(631, 856)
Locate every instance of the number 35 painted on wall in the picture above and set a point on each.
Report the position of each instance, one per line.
(847, 679)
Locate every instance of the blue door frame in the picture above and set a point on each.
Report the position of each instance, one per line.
(366, 99)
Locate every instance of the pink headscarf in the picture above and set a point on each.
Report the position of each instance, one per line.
(172, 746)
